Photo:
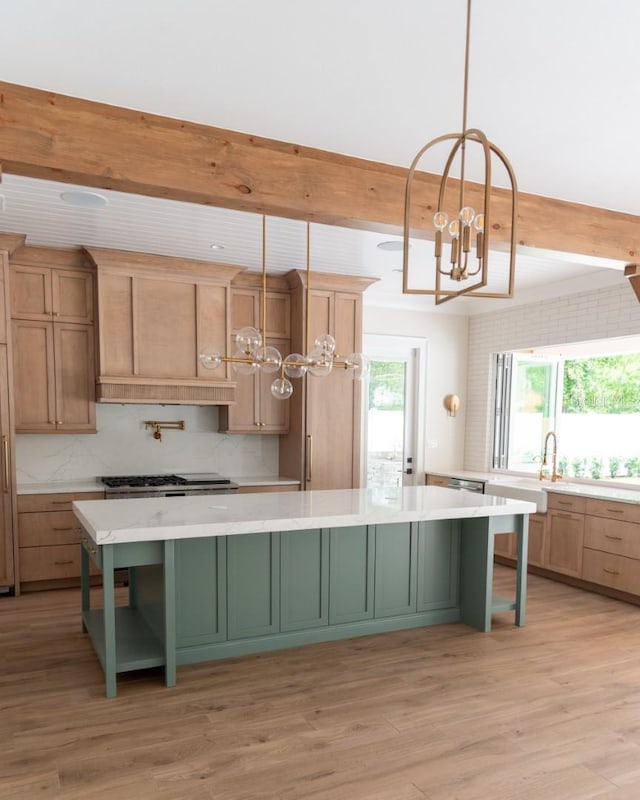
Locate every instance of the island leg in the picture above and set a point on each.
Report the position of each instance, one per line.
(85, 585)
(109, 617)
(521, 570)
(169, 569)
(476, 573)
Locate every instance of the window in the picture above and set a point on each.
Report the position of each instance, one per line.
(590, 399)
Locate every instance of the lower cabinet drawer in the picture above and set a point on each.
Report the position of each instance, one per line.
(51, 563)
(611, 570)
(612, 536)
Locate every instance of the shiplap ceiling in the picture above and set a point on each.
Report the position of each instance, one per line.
(553, 83)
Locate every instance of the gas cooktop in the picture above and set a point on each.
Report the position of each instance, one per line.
(150, 481)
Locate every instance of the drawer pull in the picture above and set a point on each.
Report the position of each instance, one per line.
(610, 571)
(60, 530)
(615, 510)
(61, 503)
(62, 563)
(564, 516)
(565, 503)
(615, 538)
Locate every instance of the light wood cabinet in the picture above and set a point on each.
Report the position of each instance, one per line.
(612, 545)
(323, 444)
(7, 471)
(537, 539)
(49, 539)
(45, 293)
(52, 311)
(436, 480)
(255, 409)
(155, 316)
(53, 377)
(565, 536)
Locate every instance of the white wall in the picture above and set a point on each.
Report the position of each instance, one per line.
(122, 446)
(446, 337)
(598, 314)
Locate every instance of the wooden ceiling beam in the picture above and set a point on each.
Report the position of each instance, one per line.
(56, 137)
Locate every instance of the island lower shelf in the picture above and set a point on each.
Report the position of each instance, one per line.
(200, 599)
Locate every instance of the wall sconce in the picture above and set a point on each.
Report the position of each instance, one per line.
(452, 404)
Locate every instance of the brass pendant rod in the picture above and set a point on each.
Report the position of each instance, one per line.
(465, 96)
(264, 281)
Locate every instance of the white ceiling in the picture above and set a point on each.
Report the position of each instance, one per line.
(553, 83)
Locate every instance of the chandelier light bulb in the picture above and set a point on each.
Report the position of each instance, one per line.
(246, 364)
(282, 389)
(270, 359)
(454, 228)
(249, 337)
(210, 359)
(466, 215)
(294, 365)
(357, 366)
(440, 220)
(320, 363)
(326, 343)
(478, 223)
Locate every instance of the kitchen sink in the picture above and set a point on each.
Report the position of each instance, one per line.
(519, 489)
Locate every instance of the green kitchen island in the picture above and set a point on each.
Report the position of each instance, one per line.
(224, 575)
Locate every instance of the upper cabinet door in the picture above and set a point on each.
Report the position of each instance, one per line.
(72, 296)
(31, 293)
(45, 294)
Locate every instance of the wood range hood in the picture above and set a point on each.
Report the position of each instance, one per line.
(155, 315)
(632, 271)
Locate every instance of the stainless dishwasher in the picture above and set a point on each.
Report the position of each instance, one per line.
(463, 485)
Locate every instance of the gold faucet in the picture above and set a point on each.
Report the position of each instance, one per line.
(554, 472)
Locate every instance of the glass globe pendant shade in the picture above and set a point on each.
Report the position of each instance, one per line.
(270, 359)
(326, 343)
(249, 338)
(210, 359)
(294, 365)
(357, 366)
(246, 364)
(282, 389)
(320, 363)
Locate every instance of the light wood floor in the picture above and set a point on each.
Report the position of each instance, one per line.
(549, 711)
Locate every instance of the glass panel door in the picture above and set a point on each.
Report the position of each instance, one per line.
(391, 402)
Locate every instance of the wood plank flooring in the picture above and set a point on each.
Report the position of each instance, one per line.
(550, 711)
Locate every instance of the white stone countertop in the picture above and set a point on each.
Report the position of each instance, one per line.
(153, 519)
(601, 491)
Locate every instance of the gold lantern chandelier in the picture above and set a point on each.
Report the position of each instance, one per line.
(468, 261)
(253, 354)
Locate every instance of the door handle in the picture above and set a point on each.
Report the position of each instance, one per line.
(5, 462)
(309, 455)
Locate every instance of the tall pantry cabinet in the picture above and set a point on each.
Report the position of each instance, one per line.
(7, 462)
(322, 447)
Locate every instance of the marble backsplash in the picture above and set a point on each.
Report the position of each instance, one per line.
(122, 446)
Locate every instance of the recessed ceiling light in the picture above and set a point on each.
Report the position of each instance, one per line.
(391, 246)
(84, 199)
(216, 246)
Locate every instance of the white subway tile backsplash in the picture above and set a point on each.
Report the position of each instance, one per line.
(604, 313)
